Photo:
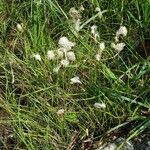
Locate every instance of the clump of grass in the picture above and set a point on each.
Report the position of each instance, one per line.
(33, 95)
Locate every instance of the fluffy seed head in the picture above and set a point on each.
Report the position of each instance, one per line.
(97, 9)
(94, 32)
(71, 56)
(19, 27)
(97, 57)
(118, 47)
(116, 39)
(60, 53)
(51, 55)
(74, 14)
(60, 112)
(65, 43)
(65, 63)
(100, 105)
(37, 57)
(75, 80)
(102, 46)
(94, 29)
(77, 25)
(122, 31)
(56, 69)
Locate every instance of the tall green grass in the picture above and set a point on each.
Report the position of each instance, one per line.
(31, 94)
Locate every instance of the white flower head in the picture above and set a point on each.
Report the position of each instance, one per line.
(102, 46)
(122, 31)
(75, 14)
(65, 63)
(118, 47)
(116, 39)
(56, 69)
(75, 80)
(98, 57)
(62, 49)
(37, 57)
(97, 9)
(94, 32)
(71, 56)
(65, 43)
(60, 52)
(60, 112)
(100, 105)
(20, 27)
(94, 29)
(51, 55)
(77, 25)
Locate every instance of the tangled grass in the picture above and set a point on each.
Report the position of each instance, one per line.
(91, 97)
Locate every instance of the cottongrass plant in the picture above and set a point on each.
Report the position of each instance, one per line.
(64, 54)
(61, 86)
(76, 17)
(51, 55)
(101, 49)
(100, 105)
(37, 57)
(19, 27)
(119, 46)
(74, 80)
(94, 32)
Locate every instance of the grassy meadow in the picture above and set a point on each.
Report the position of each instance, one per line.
(51, 99)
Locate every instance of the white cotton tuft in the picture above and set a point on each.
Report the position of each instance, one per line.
(51, 55)
(65, 63)
(100, 105)
(118, 47)
(98, 57)
(19, 27)
(71, 56)
(65, 43)
(122, 31)
(56, 69)
(77, 25)
(37, 57)
(60, 112)
(94, 32)
(62, 49)
(102, 46)
(116, 39)
(75, 80)
(97, 9)
(94, 29)
(60, 52)
(75, 14)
